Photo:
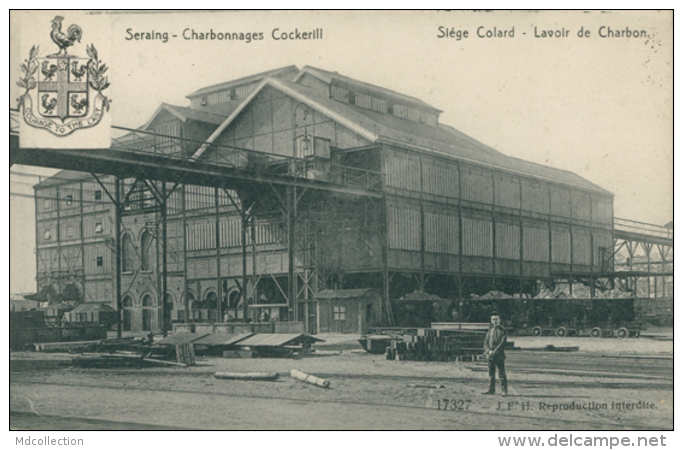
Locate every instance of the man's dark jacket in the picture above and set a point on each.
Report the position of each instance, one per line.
(494, 342)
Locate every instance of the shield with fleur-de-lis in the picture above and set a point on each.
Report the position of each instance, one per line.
(62, 87)
(64, 92)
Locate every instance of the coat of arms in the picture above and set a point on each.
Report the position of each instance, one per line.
(63, 91)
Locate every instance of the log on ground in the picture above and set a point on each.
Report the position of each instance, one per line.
(254, 376)
(309, 379)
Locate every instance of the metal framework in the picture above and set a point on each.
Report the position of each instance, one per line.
(285, 183)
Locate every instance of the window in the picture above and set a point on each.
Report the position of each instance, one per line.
(363, 100)
(70, 232)
(146, 247)
(47, 235)
(339, 312)
(98, 195)
(98, 227)
(69, 200)
(340, 94)
(46, 204)
(127, 253)
(99, 261)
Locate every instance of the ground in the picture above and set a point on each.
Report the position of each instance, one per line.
(608, 384)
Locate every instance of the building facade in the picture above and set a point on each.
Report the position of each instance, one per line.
(433, 209)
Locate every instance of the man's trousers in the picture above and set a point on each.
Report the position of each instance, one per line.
(500, 364)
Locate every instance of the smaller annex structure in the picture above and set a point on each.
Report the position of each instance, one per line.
(352, 311)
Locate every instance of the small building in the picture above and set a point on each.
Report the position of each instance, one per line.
(92, 312)
(351, 311)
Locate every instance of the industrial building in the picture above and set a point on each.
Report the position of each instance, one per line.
(335, 184)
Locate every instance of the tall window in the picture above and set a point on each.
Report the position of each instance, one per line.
(127, 253)
(146, 247)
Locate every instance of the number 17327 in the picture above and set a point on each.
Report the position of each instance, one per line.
(447, 404)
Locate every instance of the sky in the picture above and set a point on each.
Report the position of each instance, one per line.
(601, 107)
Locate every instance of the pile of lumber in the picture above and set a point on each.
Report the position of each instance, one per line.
(437, 345)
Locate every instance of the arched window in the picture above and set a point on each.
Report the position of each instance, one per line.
(127, 253)
(147, 302)
(211, 301)
(126, 304)
(146, 251)
(234, 298)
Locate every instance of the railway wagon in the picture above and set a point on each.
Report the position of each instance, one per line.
(597, 317)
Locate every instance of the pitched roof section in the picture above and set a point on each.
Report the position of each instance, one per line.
(62, 177)
(386, 128)
(328, 77)
(443, 140)
(282, 71)
(294, 91)
(183, 113)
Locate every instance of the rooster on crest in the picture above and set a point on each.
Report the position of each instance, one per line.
(74, 33)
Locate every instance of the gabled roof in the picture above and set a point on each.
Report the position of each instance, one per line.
(63, 176)
(282, 71)
(328, 77)
(386, 128)
(183, 113)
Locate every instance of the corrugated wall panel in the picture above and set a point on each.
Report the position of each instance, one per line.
(560, 202)
(581, 206)
(402, 173)
(92, 253)
(477, 237)
(581, 248)
(440, 179)
(231, 234)
(199, 197)
(602, 210)
(535, 197)
(535, 244)
(561, 246)
(96, 226)
(507, 192)
(70, 229)
(507, 241)
(71, 257)
(201, 236)
(441, 233)
(404, 229)
(477, 185)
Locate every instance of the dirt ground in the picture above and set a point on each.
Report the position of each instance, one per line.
(366, 392)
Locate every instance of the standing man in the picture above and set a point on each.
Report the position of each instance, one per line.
(494, 350)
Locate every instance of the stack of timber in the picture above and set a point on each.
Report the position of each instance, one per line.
(438, 345)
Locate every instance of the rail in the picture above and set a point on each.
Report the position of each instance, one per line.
(176, 148)
(648, 229)
(258, 162)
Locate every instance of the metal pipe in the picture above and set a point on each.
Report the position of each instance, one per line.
(219, 286)
(245, 306)
(117, 251)
(186, 300)
(165, 313)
